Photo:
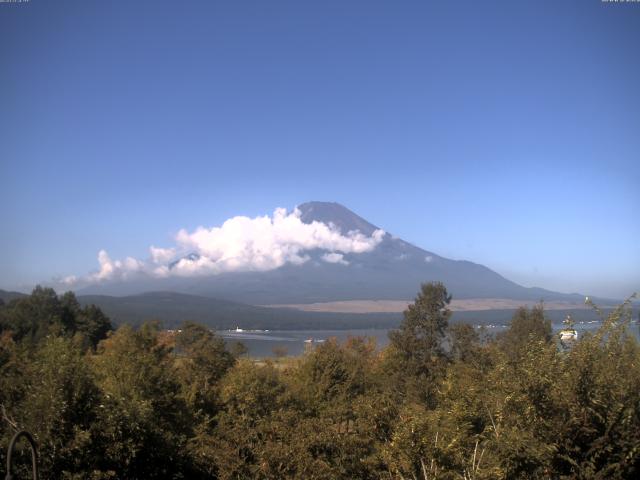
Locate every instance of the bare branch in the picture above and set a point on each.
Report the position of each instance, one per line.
(12, 423)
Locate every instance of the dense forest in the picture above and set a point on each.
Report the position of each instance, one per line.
(442, 401)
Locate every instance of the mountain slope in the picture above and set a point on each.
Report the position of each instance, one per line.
(393, 270)
(341, 217)
(7, 296)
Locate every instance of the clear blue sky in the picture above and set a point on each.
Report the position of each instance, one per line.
(506, 133)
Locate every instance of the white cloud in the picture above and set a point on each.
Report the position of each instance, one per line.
(161, 255)
(241, 244)
(264, 243)
(69, 280)
(115, 270)
(334, 258)
(428, 259)
(161, 271)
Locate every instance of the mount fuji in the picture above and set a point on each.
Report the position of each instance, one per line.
(393, 270)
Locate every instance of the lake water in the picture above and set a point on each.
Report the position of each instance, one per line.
(262, 343)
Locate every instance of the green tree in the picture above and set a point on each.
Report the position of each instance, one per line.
(32, 318)
(333, 375)
(143, 422)
(250, 396)
(202, 362)
(92, 323)
(527, 325)
(597, 431)
(465, 342)
(59, 408)
(13, 360)
(417, 356)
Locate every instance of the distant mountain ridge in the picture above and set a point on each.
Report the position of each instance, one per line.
(7, 296)
(172, 309)
(393, 270)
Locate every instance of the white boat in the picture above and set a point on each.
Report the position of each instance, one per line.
(568, 335)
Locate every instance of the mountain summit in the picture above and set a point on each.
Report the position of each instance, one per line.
(336, 214)
(390, 270)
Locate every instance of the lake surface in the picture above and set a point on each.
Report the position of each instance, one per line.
(262, 343)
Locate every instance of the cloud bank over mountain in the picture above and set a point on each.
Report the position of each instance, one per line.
(240, 244)
(319, 252)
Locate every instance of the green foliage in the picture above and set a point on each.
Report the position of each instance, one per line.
(440, 402)
(143, 422)
(202, 363)
(32, 318)
(527, 325)
(600, 434)
(465, 343)
(417, 355)
(333, 374)
(60, 407)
